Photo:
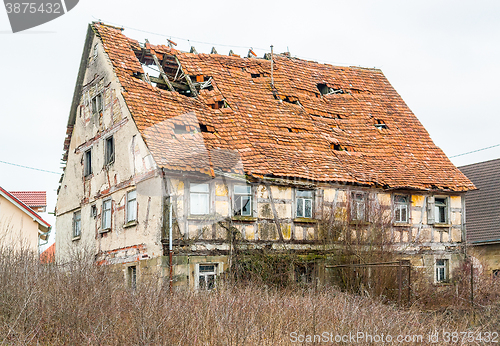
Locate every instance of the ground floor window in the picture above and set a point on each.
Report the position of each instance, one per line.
(441, 270)
(207, 276)
(132, 277)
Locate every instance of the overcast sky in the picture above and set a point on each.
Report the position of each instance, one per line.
(441, 56)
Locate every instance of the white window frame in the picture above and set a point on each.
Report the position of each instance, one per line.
(437, 208)
(77, 224)
(109, 150)
(402, 207)
(106, 215)
(302, 198)
(131, 209)
(202, 285)
(239, 197)
(442, 270)
(199, 195)
(87, 162)
(358, 206)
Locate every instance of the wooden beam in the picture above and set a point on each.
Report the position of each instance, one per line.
(162, 73)
(188, 79)
(276, 218)
(174, 84)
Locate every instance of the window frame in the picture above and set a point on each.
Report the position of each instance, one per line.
(132, 276)
(104, 227)
(397, 207)
(357, 203)
(442, 273)
(437, 209)
(109, 156)
(238, 197)
(204, 194)
(97, 103)
(87, 162)
(304, 200)
(77, 224)
(128, 208)
(215, 273)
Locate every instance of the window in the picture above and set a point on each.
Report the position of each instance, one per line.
(304, 201)
(441, 270)
(96, 46)
(401, 208)
(496, 273)
(131, 206)
(243, 200)
(77, 224)
(132, 277)
(358, 206)
(199, 199)
(441, 209)
(97, 104)
(106, 214)
(109, 155)
(87, 163)
(207, 275)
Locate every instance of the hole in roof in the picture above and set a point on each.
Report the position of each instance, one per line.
(381, 125)
(292, 99)
(206, 128)
(255, 75)
(219, 104)
(326, 90)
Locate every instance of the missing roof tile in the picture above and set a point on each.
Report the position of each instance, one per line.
(326, 90)
(381, 125)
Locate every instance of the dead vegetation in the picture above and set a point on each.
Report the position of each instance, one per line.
(83, 303)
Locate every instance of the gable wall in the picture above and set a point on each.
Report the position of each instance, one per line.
(133, 168)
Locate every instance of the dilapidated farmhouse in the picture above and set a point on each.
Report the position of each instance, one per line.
(218, 149)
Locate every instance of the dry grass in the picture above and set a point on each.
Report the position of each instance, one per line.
(84, 304)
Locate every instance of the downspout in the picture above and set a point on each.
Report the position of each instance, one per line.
(170, 251)
(40, 233)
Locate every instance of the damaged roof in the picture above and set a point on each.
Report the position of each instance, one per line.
(286, 118)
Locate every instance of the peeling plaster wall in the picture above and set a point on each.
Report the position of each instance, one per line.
(133, 168)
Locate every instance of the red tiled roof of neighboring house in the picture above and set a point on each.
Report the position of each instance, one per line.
(360, 132)
(48, 256)
(32, 198)
(13, 199)
(483, 204)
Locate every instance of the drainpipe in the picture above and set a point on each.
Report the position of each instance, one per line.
(170, 251)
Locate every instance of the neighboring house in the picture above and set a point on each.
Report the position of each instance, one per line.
(20, 226)
(49, 255)
(267, 146)
(483, 213)
(36, 200)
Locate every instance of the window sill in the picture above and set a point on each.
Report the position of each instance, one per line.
(105, 230)
(204, 217)
(305, 220)
(76, 238)
(359, 222)
(401, 224)
(243, 218)
(88, 176)
(130, 224)
(442, 225)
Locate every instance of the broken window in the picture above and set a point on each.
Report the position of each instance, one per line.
(131, 206)
(304, 203)
(77, 224)
(441, 209)
(401, 208)
(109, 156)
(132, 277)
(207, 276)
(243, 200)
(97, 104)
(199, 199)
(96, 50)
(358, 206)
(106, 214)
(87, 163)
(441, 270)
(304, 273)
